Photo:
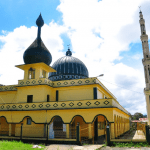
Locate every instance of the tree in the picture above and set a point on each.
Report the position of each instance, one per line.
(137, 115)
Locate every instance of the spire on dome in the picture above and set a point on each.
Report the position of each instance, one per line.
(39, 23)
(68, 53)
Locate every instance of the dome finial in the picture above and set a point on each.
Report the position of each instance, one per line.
(39, 23)
(68, 53)
(140, 9)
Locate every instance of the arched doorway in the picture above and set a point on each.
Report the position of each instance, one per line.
(4, 127)
(100, 123)
(57, 129)
(84, 129)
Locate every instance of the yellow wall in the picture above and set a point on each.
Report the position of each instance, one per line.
(33, 130)
(39, 93)
(75, 93)
(99, 94)
(121, 123)
(45, 116)
(7, 96)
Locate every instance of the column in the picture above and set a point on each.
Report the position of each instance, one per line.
(112, 131)
(26, 75)
(10, 129)
(67, 131)
(90, 130)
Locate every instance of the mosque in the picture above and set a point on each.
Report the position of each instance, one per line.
(50, 101)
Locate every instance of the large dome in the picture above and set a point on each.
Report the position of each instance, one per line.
(68, 67)
(37, 51)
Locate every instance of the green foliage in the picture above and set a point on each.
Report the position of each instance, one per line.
(137, 115)
(131, 144)
(15, 145)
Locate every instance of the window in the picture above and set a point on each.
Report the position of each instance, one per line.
(31, 73)
(28, 121)
(43, 74)
(29, 98)
(48, 99)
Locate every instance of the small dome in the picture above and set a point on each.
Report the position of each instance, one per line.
(37, 51)
(68, 67)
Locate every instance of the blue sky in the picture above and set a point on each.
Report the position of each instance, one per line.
(105, 35)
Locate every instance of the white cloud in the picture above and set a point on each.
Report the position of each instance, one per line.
(98, 31)
(101, 31)
(16, 42)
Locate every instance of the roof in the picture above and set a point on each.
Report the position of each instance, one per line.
(35, 65)
(68, 67)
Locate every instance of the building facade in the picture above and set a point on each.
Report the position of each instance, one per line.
(51, 101)
(146, 63)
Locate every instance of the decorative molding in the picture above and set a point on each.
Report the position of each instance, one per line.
(8, 88)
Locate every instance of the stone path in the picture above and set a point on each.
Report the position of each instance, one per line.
(124, 148)
(72, 147)
(90, 147)
(136, 134)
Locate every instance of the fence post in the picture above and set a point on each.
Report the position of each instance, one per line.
(21, 131)
(78, 133)
(108, 134)
(147, 134)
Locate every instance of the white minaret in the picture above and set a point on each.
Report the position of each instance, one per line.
(146, 63)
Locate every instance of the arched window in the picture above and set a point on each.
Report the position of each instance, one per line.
(43, 74)
(31, 73)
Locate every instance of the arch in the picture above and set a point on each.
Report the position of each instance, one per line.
(27, 117)
(77, 116)
(54, 118)
(57, 128)
(4, 126)
(100, 115)
(4, 117)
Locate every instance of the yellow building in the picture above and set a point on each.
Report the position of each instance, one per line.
(50, 102)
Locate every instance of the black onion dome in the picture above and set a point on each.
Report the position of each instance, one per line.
(68, 67)
(37, 51)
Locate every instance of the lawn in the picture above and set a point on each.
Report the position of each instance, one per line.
(17, 145)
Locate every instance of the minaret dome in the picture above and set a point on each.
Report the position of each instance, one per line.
(37, 51)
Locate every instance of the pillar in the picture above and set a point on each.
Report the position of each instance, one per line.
(112, 131)
(26, 75)
(67, 131)
(90, 131)
(10, 129)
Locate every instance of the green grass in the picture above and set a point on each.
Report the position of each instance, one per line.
(17, 145)
(141, 144)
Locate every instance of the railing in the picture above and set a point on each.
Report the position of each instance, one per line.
(38, 133)
(141, 126)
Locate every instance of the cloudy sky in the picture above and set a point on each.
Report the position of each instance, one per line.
(105, 35)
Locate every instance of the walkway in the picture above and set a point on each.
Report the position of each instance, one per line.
(136, 135)
(72, 147)
(124, 148)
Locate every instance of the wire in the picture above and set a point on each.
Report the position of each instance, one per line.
(120, 86)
